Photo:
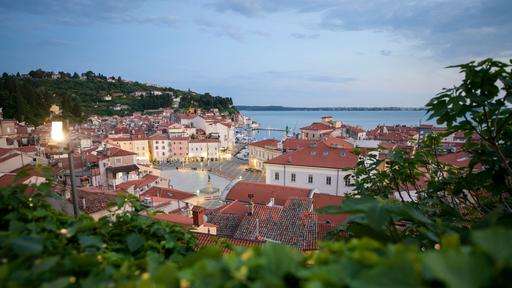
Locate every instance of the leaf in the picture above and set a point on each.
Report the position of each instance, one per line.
(90, 241)
(27, 245)
(59, 282)
(495, 242)
(458, 269)
(45, 264)
(134, 242)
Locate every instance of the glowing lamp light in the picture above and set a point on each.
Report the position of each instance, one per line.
(57, 133)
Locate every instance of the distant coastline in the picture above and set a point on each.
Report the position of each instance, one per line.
(283, 108)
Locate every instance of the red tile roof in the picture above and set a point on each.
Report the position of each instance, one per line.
(118, 152)
(95, 200)
(458, 159)
(267, 143)
(293, 224)
(318, 155)
(158, 136)
(321, 200)
(317, 126)
(204, 141)
(168, 193)
(7, 179)
(146, 180)
(175, 218)
(264, 192)
(337, 142)
(295, 144)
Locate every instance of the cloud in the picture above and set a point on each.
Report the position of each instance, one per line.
(450, 29)
(86, 11)
(249, 8)
(227, 30)
(305, 36)
(385, 52)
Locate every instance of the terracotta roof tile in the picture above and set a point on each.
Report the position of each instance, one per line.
(168, 193)
(317, 126)
(267, 143)
(264, 192)
(318, 155)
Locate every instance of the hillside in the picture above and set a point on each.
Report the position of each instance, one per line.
(28, 97)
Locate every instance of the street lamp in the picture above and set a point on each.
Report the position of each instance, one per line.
(57, 135)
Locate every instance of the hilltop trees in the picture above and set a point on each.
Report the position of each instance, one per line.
(28, 97)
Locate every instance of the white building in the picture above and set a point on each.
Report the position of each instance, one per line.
(203, 149)
(326, 168)
(316, 131)
(160, 147)
(262, 151)
(217, 127)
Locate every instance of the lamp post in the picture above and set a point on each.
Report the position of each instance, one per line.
(57, 135)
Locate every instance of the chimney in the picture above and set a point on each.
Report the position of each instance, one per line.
(251, 204)
(198, 216)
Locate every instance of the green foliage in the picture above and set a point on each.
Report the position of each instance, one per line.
(29, 98)
(206, 101)
(481, 107)
(40, 245)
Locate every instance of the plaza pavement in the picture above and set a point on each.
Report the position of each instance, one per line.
(230, 169)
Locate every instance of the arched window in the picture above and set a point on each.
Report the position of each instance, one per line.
(348, 180)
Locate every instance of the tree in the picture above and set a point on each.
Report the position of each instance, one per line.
(480, 107)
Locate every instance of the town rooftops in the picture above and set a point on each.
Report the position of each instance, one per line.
(158, 136)
(169, 193)
(267, 143)
(317, 126)
(115, 152)
(92, 200)
(318, 155)
(204, 141)
(337, 142)
(264, 193)
(124, 168)
(321, 200)
(138, 183)
(176, 218)
(459, 159)
(295, 144)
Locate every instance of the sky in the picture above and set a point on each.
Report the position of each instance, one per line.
(263, 52)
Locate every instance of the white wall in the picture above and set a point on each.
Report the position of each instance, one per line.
(337, 186)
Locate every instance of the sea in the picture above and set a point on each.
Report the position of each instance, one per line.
(294, 120)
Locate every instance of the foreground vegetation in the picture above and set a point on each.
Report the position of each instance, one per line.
(28, 98)
(454, 233)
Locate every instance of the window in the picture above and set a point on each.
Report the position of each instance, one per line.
(163, 153)
(310, 178)
(118, 160)
(156, 142)
(294, 177)
(347, 179)
(328, 180)
(276, 176)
